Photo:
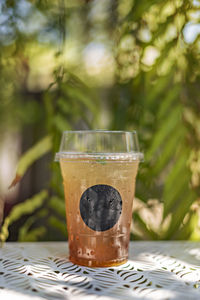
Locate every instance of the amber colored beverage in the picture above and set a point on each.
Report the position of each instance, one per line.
(99, 196)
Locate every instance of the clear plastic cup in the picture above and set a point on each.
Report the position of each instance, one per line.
(99, 169)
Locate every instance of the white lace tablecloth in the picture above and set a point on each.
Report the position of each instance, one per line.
(155, 270)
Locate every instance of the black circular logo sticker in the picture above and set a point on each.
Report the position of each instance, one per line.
(100, 207)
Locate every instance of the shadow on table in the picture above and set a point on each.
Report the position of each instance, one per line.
(57, 278)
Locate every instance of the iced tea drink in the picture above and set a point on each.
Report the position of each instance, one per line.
(99, 196)
(99, 186)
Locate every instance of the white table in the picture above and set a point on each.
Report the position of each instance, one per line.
(155, 270)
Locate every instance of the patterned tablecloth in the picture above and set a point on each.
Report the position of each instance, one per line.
(155, 270)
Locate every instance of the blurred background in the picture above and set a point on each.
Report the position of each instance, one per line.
(109, 64)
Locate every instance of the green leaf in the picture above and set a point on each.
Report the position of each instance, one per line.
(168, 150)
(61, 123)
(21, 209)
(180, 212)
(166, 128)
(179, 166)
(49, 109)
(58, 224)
(162, 27)
(174, 194)
(140, 7)
(165, 54)
(168, 101)
(147, 232)
(32, 235)
(58, 205)
(29, 157)
(64, 105)
(157, 90)
(188, 229)
(177, 182)
(85, 99)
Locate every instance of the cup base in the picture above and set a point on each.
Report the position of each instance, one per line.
(96, 263)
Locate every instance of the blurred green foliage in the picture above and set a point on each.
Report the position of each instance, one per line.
(129, 64)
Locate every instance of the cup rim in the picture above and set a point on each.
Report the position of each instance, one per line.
(99, 130)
